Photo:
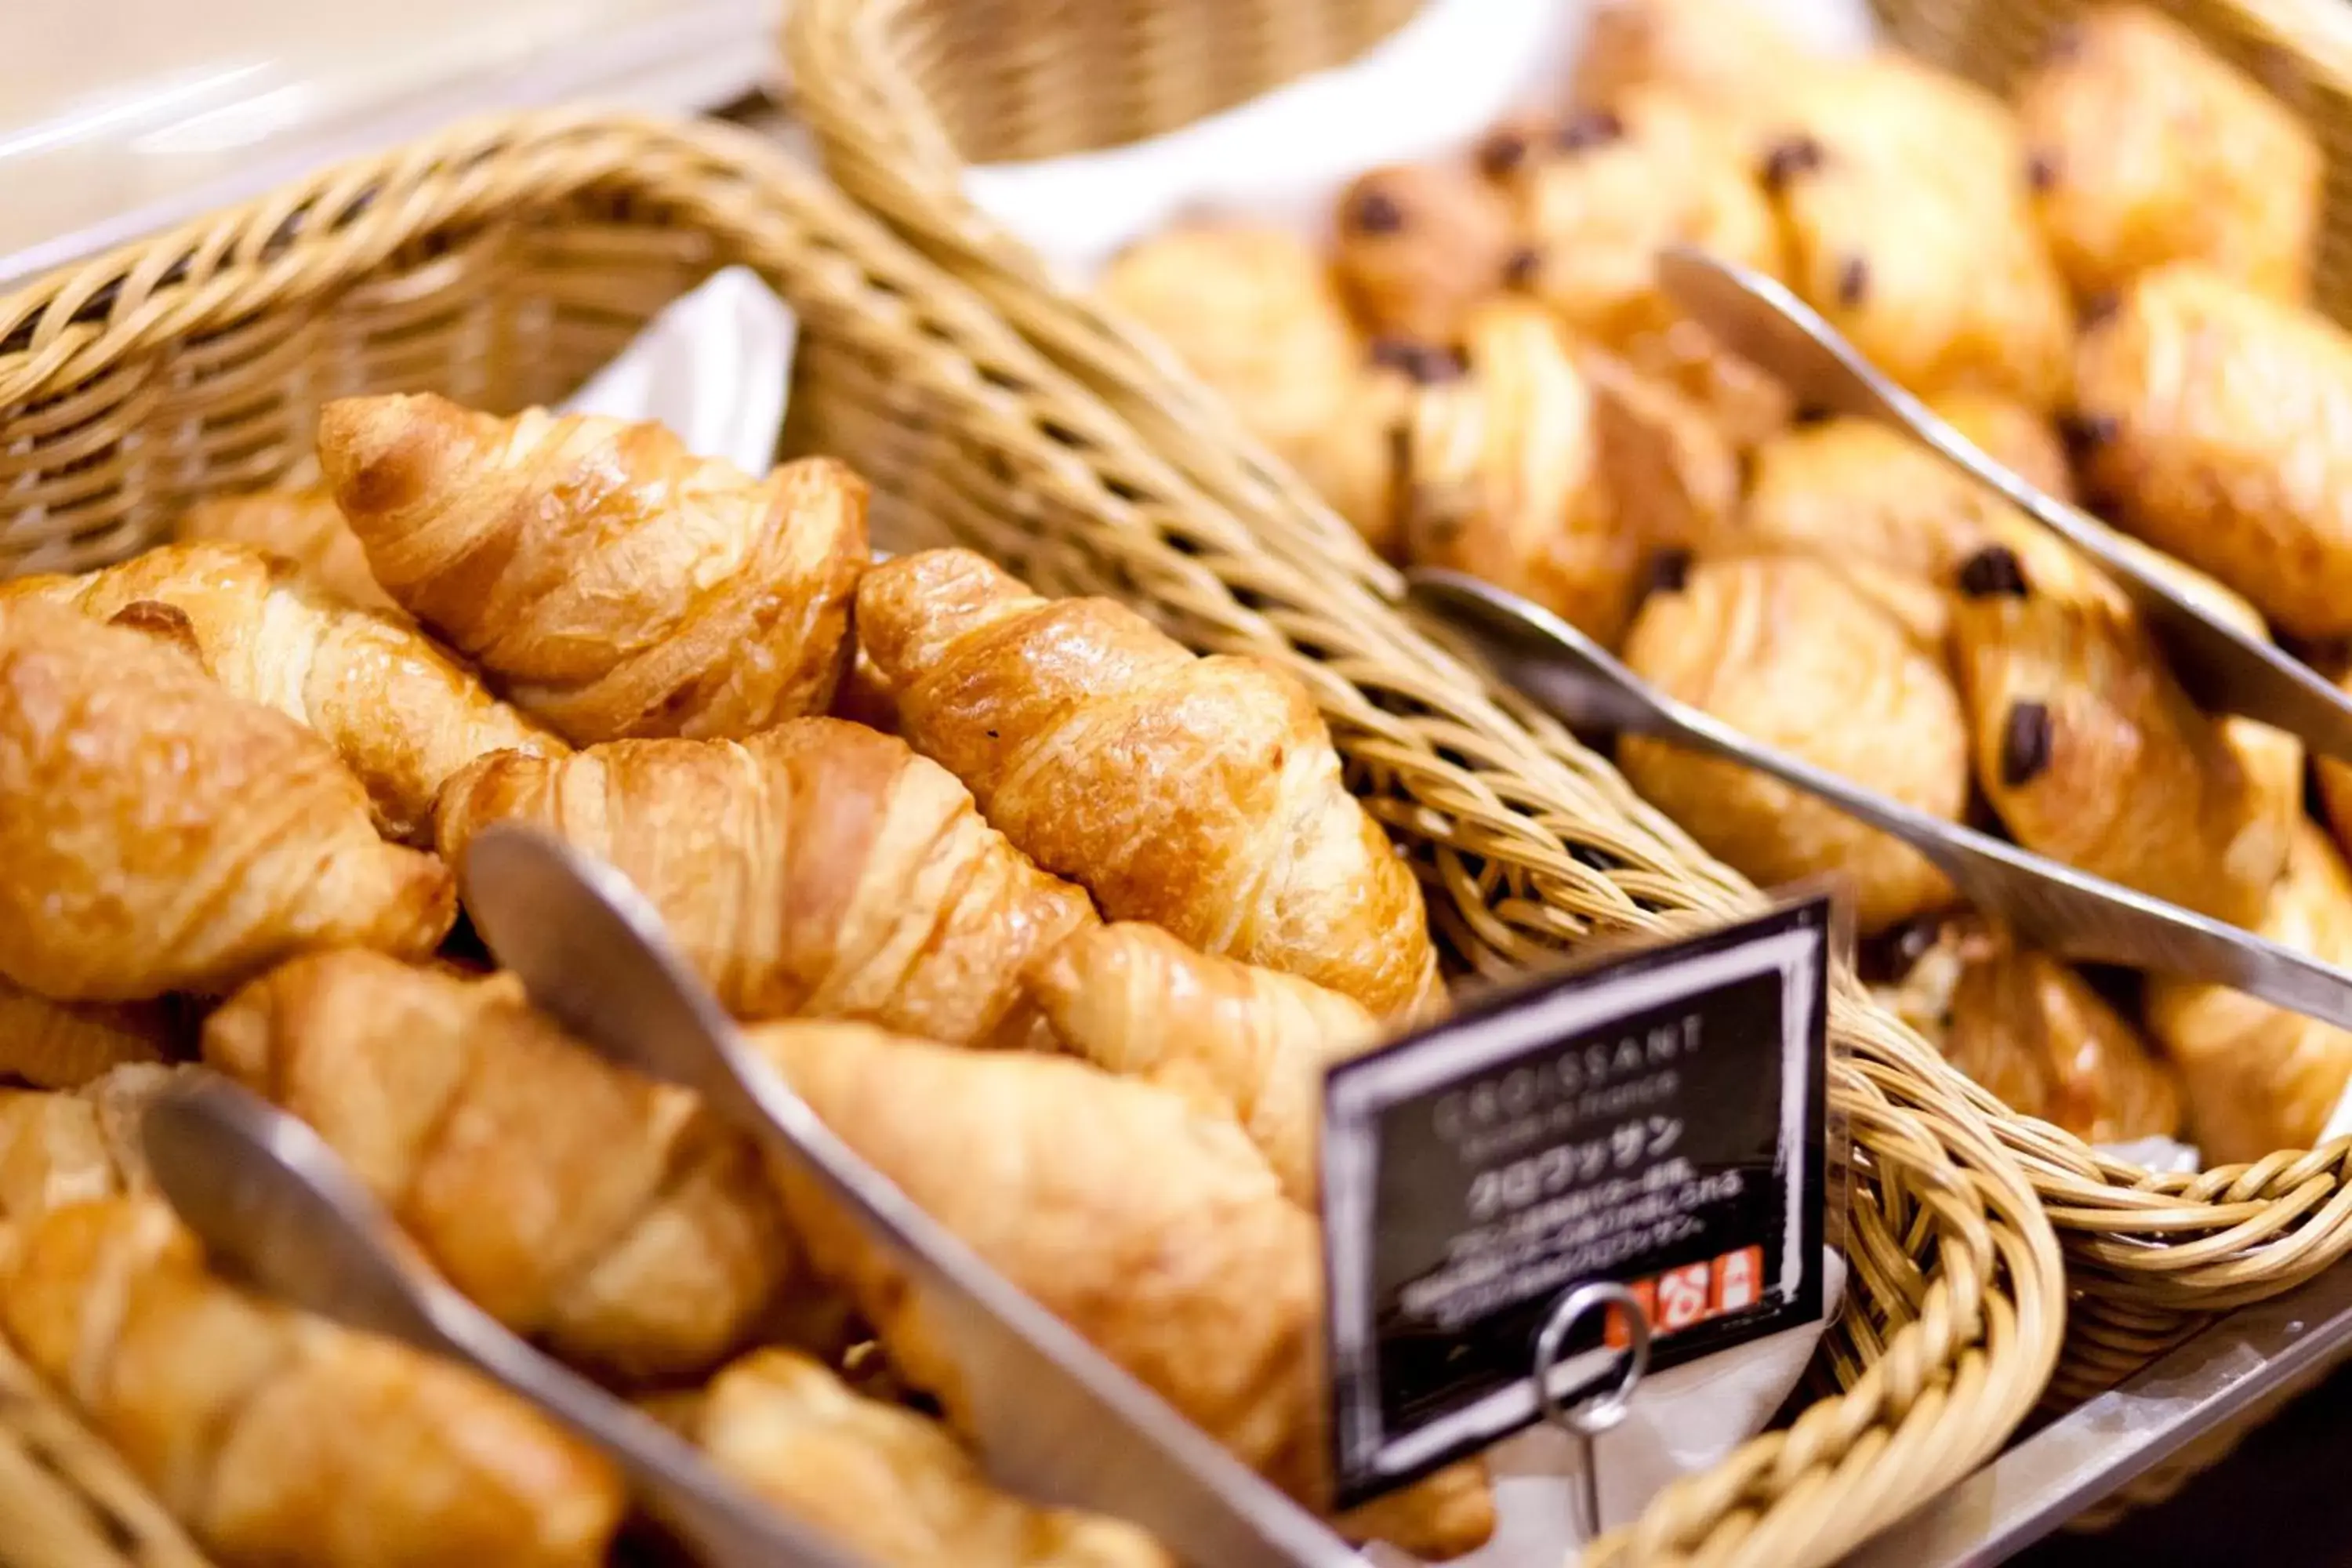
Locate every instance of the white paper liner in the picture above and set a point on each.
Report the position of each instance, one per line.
(716, 366)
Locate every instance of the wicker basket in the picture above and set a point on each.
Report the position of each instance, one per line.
(2151, 1254)
(501, 261)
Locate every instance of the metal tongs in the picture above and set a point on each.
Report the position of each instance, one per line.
(2052, 905)
(1055, 1417)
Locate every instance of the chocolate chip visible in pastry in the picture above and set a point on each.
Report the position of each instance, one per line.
(2041, 172)
(1501, 154)
(1375, 212)
(1790, 157)
(2087, 432)
(1669, 571)
(1853, 281)
(2025, 742)
(1994, 570)
(1593, 128)
(1523, 267)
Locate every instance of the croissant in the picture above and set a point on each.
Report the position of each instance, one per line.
(1503, 475)
(2090, 751)
(1252, 311)
(1906, 226)
(2259, 1078)
(885, 1482)
(280, 1438)
(1202, 795)
(2145, 147)
(401, 714)
(1788, 650)
(305, 527)
(1421, 245)
(2214, 420)
(819, 868)
(573, 1202)
(61, 1045)
(2033, 1031)
(1251, 1043)
(1158, 1234)
(615, 582)
(160, 835)
(61, 1149)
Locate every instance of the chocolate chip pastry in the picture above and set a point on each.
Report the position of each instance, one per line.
(2031, 1030)
(2143, 147)
(1420, 245)
(1905, 221)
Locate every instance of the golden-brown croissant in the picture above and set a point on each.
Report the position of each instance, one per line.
(2031, 1030)
(1252, 1043)
(890, 1484)
(305, 527)
(1159, 1234)
(2088, 748)
(2215, 421)
(1254, 312)
(401, 714)
(1202, 795)
(1903, 209)
(573, 1201)
(1790, 652)
(615, 582)
(1420, 245)
(61, 1149)
(279, 1438)
(819, 868)
(62, 1045)
(2260, 1079)
(1503, 477)
(2144, 147)
(161, 835)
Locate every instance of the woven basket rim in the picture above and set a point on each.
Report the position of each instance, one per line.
(2139, 1235)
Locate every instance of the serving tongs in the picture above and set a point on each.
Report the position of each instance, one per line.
(1054, 1416)
(275, 1205)
(2050, 905)
(2223, 667)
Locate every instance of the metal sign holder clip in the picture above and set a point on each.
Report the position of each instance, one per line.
(1605, 1408)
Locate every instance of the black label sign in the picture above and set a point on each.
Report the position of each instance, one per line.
(1655, 1120)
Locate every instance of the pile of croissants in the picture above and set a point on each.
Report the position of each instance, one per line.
(2103, 282)
(1058, 934)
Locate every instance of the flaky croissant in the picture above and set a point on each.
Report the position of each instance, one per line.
(401, 714)
(1787, 651)
(2088, 748)
(2143, 147)
(1159, 1234)
(2215, 421)
(305, 527)
(2260, 1079)
(886, 1483)
(1202, 795)
(57, 1149)
(573, 1201)
(615, 582)
(279, 1438)
(161, 835)
(818, 868)
(1503, 475)
(1252, 1043)
(2031, 1030)
(62, 1045)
